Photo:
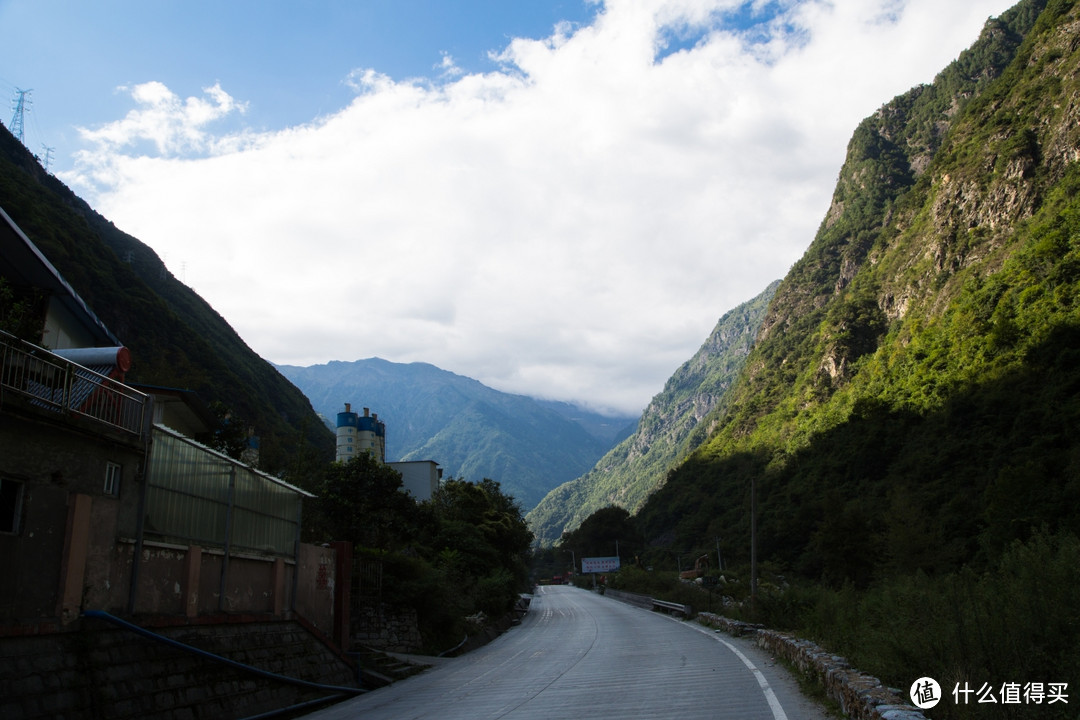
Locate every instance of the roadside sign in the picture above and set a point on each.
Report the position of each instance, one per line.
(599, 564)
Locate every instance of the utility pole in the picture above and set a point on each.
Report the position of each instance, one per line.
(753, 548)
(22, 106)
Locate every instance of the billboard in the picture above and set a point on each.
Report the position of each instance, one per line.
(599, 564)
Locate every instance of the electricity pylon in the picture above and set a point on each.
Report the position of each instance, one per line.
(22, 105)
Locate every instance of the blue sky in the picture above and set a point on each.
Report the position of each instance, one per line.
(558, 199)
(287, 60)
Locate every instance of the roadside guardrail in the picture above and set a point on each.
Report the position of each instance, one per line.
(685, 610)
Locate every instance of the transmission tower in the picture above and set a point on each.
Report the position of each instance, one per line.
(48, 155)
(22, 106)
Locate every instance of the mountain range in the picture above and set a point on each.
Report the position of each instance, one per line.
(473, 431)
(911, 399)
(905, 402)
(675, 422)
(898, 456)
(890, 431)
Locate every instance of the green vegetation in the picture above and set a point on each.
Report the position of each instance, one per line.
(859, 422)
(176, 339)
(462, 553)
(906, 420)
(672, 426)
(470, 429)
(1016, 622)
(21, 312)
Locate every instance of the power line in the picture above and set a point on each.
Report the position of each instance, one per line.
(22, 105)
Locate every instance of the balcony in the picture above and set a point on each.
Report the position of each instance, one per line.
(55, 384)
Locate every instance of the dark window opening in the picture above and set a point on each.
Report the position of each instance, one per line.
(10, 505)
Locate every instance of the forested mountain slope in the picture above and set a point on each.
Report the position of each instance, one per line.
(176, 338)
(905, 429)
(471, 430)
(911, 403)
(675, 422)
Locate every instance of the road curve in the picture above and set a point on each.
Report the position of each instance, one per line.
(580, 655)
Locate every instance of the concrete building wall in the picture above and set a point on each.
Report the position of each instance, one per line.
(55, 464)
(419, 477)
(73, 545)
(359, 434)
(315, 587)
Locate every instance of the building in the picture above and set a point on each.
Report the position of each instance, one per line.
(359, 434)
(110, 514)
(365, 433)
(420, 477)
(102, 503)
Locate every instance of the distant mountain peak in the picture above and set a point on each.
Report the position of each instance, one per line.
(470, 429)
(675, 422)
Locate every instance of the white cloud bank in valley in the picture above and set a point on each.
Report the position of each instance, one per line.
(569, 226)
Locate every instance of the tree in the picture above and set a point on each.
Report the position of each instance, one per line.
(600, 534)
(230, 436)
(481, 542)
(21, 313)
(363, 501)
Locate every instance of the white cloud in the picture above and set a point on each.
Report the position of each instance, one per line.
(570, 226)
(171, 124)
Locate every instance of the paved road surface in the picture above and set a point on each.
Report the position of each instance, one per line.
(581, 655)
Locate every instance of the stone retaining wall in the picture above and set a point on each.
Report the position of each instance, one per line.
(96, 670)
(859, 695)
(385, 627)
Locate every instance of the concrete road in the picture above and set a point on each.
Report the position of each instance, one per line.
(581, 655)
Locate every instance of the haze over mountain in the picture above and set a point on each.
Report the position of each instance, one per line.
(900, 445)
(902, 428)
(177, 340)
(471, 430)
(675, 422)
(911, 398)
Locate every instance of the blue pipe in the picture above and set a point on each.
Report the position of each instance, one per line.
(295, 708)
(102, 615)
(456, 647)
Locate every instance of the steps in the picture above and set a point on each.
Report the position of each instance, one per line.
(378, 669)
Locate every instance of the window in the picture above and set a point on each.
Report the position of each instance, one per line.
(10, 505)
(112, 478)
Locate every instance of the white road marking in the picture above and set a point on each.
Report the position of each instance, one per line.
(770, 696)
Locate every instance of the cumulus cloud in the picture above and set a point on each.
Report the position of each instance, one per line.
(570, 225)
(171, 124)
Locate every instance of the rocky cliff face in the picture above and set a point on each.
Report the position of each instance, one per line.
(908, 213)
(905, 371)
(882, 251)
(675, 422)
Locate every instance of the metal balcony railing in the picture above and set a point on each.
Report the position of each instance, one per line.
(54, 383)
